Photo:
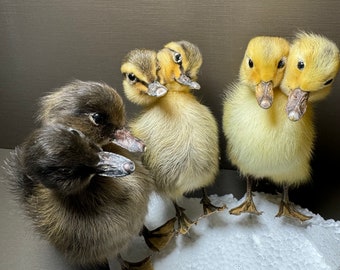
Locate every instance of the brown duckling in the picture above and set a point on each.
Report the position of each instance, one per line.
(68, 186)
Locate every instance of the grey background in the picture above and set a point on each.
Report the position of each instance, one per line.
(45, 44)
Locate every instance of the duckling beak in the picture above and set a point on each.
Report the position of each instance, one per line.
(156, 89)
(113, 165)
(185, 80)
(297, 104)
(124, 138)
(264, 94)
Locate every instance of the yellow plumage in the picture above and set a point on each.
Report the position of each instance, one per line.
(266, 143)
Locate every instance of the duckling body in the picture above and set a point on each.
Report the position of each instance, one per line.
(265, 143)
(261, 141)
(181, 134)
(61, 180)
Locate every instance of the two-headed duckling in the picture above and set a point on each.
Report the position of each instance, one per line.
(180, 133)
(97, 110)
(68, 186)
(261, 141)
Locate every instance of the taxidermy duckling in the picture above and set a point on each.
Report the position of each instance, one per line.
(94, 108)
(181, 134)
(69, 188)
(97, 110)
(139, 69)
(261, 141)
(312, 66)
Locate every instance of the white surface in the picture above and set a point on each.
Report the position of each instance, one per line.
(223, 241)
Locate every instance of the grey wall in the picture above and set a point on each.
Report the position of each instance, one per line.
(44, 44)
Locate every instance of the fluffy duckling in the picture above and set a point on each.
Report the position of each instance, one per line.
(261, 141)
(312, 66)
(94, 108)
(97, 110)
(181, 133)
(67, 184)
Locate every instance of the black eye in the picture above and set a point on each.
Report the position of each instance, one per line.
(328, 82)
(281, 64)
(250, 63)
(98, 118)
(300, 65)
(178, 58)
(132, 77)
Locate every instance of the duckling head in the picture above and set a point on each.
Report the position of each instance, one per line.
(65, 160)
(180, 63)
(263, 67)
(312, 66)
(94, 108)
(140, 82)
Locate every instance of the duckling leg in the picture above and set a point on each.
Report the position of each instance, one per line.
(145, 264)
(158, 238)
(184, 223)
(208, 207)
(248, 205)
(287, 209)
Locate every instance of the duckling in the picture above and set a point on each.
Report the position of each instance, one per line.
(181, 134)
(94, 108)
(97, 110)
(312, 66)
(69, 188)
(261, 141)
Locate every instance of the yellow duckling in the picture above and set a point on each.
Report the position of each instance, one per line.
(261, 141)
(180, 133)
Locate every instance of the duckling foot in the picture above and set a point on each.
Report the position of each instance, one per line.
(286, 209)
(145, 264)
(247, 207)
(184, 223)
(158, 238)
(209, 208)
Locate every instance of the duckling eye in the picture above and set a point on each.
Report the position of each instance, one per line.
(178, 58)
(301, 65)
(328, 82)
(281, 64)
(98, 118)
(132, 77)
(250, 63)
